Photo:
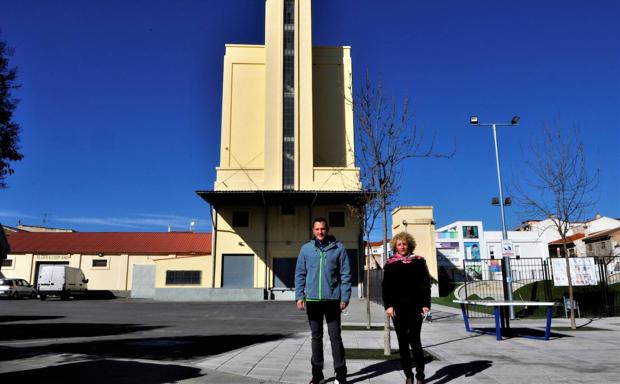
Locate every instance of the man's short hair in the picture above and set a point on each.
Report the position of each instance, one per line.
(320, 220)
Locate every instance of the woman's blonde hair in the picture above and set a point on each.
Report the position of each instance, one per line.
(404, 237)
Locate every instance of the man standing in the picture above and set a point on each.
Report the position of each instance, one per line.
(323, 289)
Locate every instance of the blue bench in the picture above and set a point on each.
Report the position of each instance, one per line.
(502, 318)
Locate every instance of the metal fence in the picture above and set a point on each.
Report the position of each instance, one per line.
(532, 280)
(376, 278)
(602, 299)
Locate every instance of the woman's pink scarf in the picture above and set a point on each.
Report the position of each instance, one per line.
(405, 259)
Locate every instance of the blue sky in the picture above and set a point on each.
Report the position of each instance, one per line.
(120, 100)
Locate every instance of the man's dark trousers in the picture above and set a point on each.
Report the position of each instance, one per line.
(330, 310)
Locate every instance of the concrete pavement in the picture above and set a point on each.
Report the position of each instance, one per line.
(587, 355)
(129, 341)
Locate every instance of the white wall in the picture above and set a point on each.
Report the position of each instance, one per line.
(528, 244)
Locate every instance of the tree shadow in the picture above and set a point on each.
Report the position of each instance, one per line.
(454, 340)
(163, 348)
(62, 330)
(104, 371)
(10, 318)
(454, 371)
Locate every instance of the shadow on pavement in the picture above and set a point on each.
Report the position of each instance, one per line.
(374, 370)
(60, 330)
(381, 368)
(164, 348)
(99, 295)
(454, 371)
(523, 332)
(104, 371)
(7, 319)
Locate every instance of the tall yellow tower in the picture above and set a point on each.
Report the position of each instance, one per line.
(287, 121)
(286, 155)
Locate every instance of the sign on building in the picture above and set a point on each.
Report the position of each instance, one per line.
(582, 271)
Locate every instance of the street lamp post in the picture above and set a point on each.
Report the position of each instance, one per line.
(507, 273)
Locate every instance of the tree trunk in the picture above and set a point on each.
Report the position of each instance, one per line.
(573, 325)
(367, 285)
(387, 348)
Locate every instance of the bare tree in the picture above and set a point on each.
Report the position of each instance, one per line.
(559, 186)
(367, 215)
(387, 136)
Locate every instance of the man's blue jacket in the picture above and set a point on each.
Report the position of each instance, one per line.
(323, 274)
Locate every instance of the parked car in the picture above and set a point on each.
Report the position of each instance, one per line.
(16, 288)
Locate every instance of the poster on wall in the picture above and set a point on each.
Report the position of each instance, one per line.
(495, 266)
(582, 271)
(470, 232)
(472, 251)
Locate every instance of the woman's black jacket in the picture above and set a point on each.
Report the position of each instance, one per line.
(407, 284)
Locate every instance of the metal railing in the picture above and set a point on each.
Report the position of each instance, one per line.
(533, 281)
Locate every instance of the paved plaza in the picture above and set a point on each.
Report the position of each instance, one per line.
(589, 355)
(128, 341)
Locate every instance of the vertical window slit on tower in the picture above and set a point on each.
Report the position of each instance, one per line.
(288, 98)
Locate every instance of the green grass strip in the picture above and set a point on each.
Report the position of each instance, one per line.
(377, 354)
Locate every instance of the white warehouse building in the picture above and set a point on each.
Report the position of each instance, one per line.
(467, 240)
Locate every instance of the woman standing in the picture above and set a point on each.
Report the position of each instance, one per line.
(407, 300)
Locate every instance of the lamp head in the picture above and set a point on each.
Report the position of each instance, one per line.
(515, 120)
(473, 120)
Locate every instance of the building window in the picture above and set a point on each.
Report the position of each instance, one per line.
(183, 277)
(241, 219)
(288, 100)
(100, 262)
(518, 250)
(590, 247)
(288, 209)
(603, 246)
(7, 262)
(336, 219)
(491, 251)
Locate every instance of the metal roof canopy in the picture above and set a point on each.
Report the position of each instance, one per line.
(271, 198)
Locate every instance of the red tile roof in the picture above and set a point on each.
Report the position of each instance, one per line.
(569, 239)
(143, 243)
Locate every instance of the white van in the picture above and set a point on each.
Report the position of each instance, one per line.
(60, 280)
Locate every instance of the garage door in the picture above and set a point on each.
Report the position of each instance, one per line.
(238, 271)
